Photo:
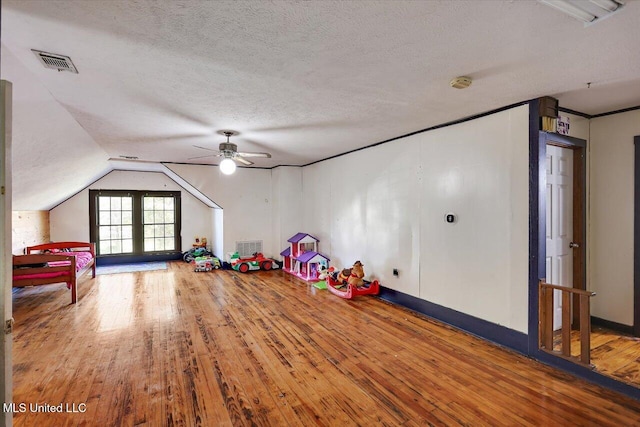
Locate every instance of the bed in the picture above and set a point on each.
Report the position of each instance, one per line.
(59, 262)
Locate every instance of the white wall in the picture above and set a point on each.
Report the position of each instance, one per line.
(245, 197)
(70, 220)
(386, 206)
(611, 161)
(365, 206)
(287, 202)
(218, 233)
(579, 127)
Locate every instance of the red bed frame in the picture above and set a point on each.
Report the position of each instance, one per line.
(32, 269)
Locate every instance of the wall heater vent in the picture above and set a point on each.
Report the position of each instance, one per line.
(55, 61)
(248, 248)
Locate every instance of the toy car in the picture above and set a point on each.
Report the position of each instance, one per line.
(206, 263)
(256, 262)
(194, 253)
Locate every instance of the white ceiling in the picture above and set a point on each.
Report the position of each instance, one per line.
(301, 80)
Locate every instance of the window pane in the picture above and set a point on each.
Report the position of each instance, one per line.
(148, 231)
(127, 203)
(116, 202)
(105, 218)
(159, 244)
(158, 217)
(127, 246)
(148, 217)
(127, 217)
(116, 232)
(148, 245)
(168, 230)
(105, 247)
(148, 203)
(116, 217)
(168, 217)
(105, 232)
(168, 203)
(127, 232)
(158, 203)
(158, 230)
(169, 244)
(116, 247)
(104, 203)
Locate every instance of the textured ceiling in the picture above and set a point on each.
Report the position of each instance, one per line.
(301, 80)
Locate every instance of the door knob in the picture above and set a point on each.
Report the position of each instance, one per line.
(574, 245)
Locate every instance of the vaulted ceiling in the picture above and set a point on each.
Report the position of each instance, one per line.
(301, 80)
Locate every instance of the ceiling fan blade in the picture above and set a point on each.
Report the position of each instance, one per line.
(267, 155)
(208, 149)
(243, 161)
(202, 157)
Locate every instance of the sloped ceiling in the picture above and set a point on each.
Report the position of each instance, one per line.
(53, 157)
(301, 80)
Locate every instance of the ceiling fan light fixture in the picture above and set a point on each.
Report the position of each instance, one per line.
(227, 166)
(230, 154)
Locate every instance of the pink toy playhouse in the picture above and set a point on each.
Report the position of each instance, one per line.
(302, 258)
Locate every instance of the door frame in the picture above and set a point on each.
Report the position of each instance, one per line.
(537, 230)
(579, 220)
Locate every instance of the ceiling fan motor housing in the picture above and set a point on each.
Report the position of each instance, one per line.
(227, 147)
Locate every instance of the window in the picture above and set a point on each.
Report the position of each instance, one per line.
(115, 225)
(134, 222)
(159, 223)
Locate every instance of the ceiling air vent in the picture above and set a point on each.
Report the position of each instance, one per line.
(55, 61)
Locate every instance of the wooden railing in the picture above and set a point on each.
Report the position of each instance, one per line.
(582, 300)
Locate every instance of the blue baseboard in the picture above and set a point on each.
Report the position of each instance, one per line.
(614, 326)
(131, 259)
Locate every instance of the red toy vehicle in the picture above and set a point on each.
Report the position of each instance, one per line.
(256, 262)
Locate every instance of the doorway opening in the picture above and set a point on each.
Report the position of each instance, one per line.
(563, 299)
(565, 222)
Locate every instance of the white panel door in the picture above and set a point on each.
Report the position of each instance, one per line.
(559, 224)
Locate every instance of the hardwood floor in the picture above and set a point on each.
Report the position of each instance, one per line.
(181, 348)
(616, 355)
(612, 353)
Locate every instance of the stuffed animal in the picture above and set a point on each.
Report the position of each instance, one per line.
(353, 276)
(324, 272)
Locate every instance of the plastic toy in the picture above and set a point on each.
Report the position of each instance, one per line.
(200, 242)
(302, 259)
(353, 276)
(349, 283)
(256, 262)
(206, 263)
(194, 253)
(324, 272)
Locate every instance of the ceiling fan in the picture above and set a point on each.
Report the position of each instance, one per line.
(229, 152)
